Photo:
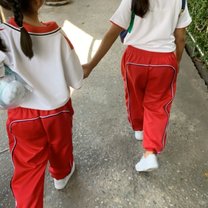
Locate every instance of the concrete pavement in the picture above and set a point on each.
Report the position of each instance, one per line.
(104, 146)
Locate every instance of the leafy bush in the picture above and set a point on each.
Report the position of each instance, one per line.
(199, 26)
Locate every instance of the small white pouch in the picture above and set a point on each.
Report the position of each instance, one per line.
(13, 89)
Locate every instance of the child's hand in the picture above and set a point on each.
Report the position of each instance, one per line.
(87, 70)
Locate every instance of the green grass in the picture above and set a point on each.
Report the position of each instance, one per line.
(199, 26)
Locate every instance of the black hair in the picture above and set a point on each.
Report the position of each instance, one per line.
(140, 7)
(5, 4)
(2, 46)
(19, 7)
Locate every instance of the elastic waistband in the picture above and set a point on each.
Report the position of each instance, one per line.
(20, 112)
(148, 53)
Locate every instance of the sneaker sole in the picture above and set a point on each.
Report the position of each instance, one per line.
(69, 176)
(139, 139)
(148, 170)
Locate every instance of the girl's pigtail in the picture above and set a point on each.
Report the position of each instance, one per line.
(6, 4)
(2, 46)
(25, 39)
(141, 7)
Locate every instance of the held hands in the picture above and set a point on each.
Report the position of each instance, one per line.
(109, 38)
(87, 70)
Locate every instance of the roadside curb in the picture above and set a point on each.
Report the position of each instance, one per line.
(200, 66)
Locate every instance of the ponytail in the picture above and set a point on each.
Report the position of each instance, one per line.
(141, 7)
(2, 46)
(5, 4)
(26, 43)
(25, 39)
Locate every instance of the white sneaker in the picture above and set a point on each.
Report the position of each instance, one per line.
(61, 183)
(147, 164)
(139, 135)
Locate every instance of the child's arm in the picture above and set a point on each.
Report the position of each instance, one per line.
(179, 34)
(108, 40)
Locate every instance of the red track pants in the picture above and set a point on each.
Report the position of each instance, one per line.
(150, 85)
(36, 137)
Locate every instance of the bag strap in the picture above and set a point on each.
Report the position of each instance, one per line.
(183, 6)
(133, 3)
(131, 22)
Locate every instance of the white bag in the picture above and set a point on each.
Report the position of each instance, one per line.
(13, 89)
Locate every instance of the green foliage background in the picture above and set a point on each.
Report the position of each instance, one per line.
(199, 26)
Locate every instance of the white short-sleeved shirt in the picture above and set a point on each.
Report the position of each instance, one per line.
(54, 68)
(155, 31)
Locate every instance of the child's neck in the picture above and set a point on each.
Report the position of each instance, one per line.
(32, 20)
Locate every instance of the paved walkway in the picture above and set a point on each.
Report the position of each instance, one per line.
(104, 147)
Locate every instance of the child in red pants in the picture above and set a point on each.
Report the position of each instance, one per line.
(155, 43)
(40, 128)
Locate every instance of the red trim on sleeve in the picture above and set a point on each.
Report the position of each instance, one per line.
(117, 25)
